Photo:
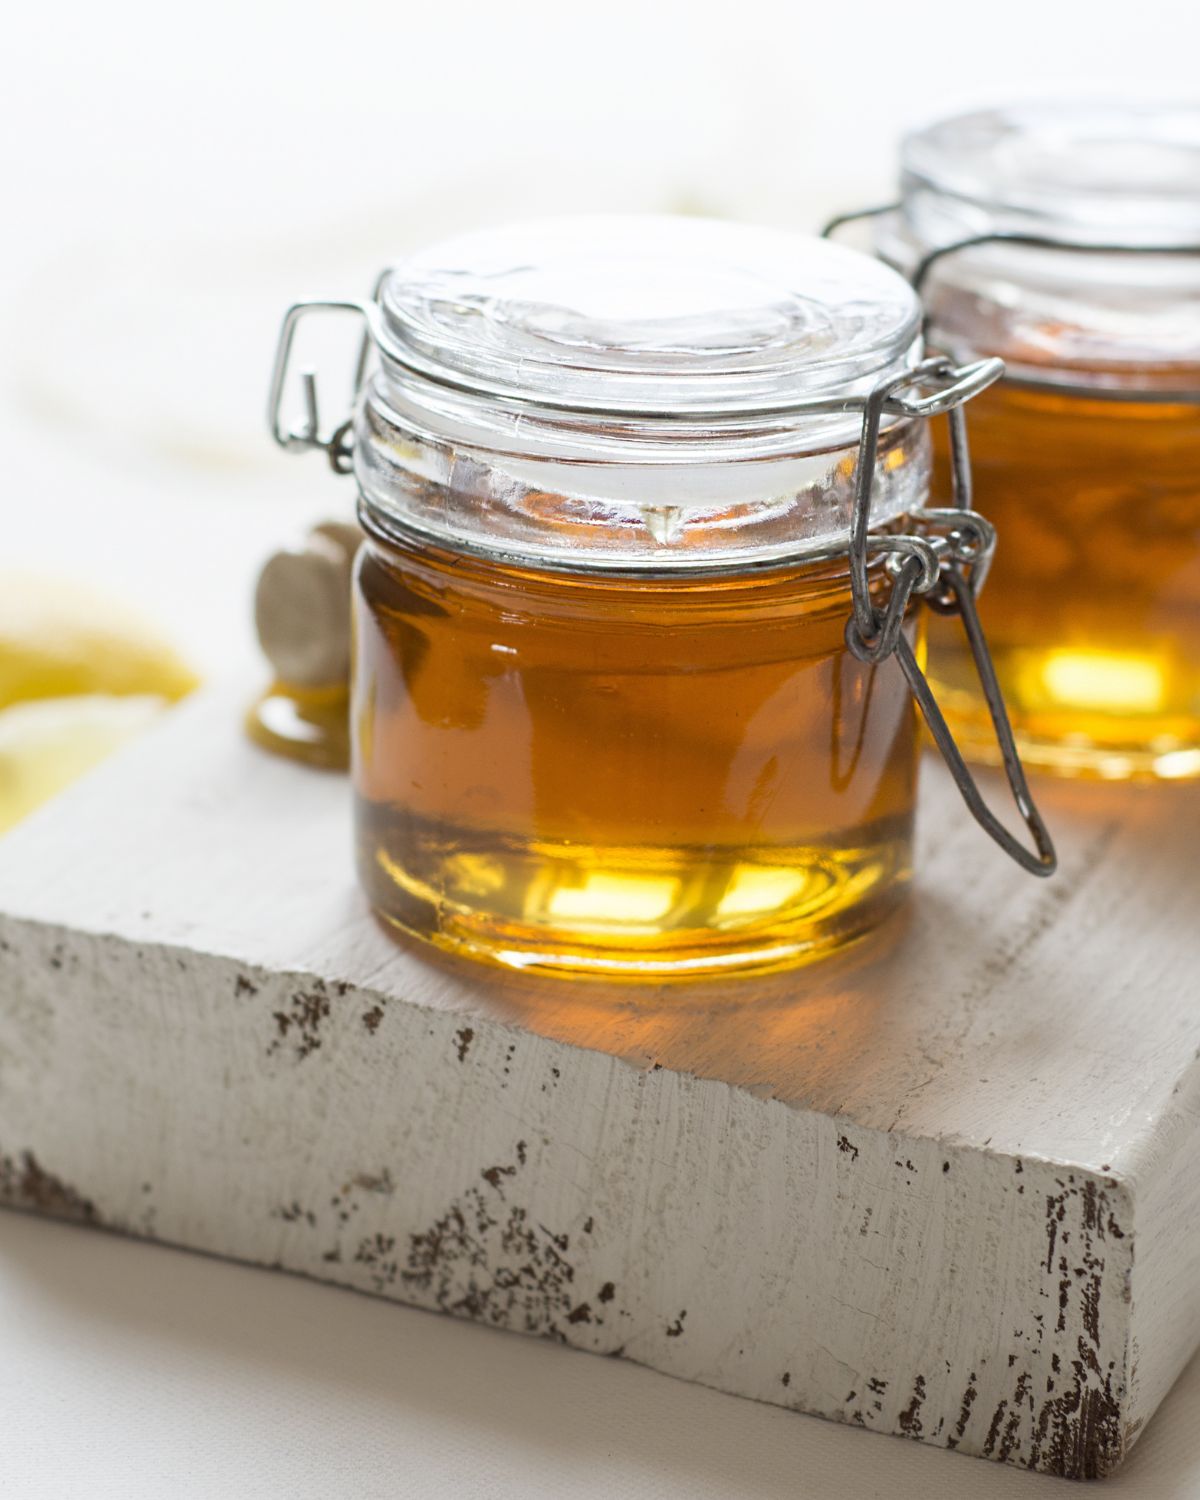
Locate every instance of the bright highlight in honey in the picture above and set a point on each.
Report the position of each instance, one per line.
(1104, 680)
(1092, 605)
(606, 903)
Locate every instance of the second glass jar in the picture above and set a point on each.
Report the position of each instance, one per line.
(1066, 239)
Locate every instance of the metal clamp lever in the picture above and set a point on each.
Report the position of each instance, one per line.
(918, 273)
(1044, 861)
(307, 434)
(948, 567)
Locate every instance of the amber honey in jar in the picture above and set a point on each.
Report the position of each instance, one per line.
(1066, 239)
(607, 716)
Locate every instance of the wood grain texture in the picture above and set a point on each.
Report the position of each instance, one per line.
(944, 1186)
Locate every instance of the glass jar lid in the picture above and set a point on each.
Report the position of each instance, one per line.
(647, 316)
(1117, 182)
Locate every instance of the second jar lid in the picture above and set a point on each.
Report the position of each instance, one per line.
(1063, 236)
(1079, 172)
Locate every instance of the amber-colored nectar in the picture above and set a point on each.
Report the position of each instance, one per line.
(1092, 606)
(624, 776)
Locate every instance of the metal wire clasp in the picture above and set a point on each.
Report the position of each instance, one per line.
(1024, 239)
(306, 433)
(945, 560)
(919, 273)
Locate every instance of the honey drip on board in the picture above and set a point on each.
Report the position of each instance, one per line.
(1092, 605)
(631, 778)
(302, 616)
(306, 724)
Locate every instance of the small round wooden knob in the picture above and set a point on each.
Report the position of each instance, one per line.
(302, 607)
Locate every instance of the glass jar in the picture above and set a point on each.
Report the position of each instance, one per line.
(1066, 239)
(607, 715)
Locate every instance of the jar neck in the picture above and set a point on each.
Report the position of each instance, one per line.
(626, 517)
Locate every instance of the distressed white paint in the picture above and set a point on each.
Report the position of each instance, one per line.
(944, 1185)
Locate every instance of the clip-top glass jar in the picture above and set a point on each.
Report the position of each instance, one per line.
(624, 483)
(1066, 239)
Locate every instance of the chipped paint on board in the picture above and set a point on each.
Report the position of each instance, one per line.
(25, 1183)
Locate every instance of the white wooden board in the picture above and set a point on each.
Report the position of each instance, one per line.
(945, 1186)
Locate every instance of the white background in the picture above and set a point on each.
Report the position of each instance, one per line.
(172, 177)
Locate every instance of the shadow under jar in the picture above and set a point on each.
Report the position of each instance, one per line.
(1087, 455)
(607, 717)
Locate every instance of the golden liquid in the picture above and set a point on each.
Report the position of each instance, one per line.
(620, 777)
(1092, 606)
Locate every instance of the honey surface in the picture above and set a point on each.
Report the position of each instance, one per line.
(1092, 606)
(599, 775)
